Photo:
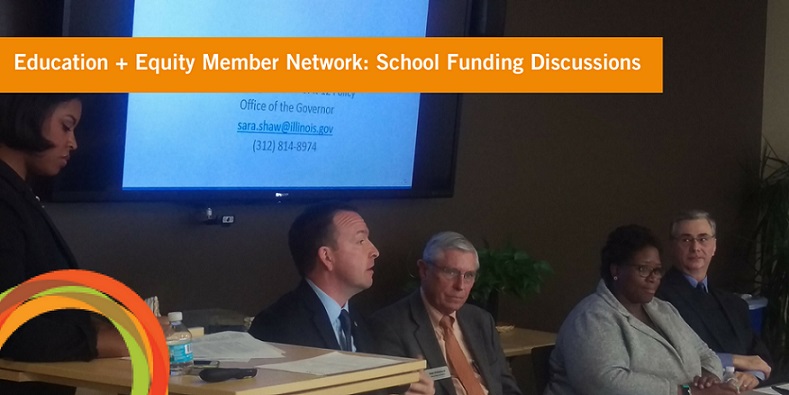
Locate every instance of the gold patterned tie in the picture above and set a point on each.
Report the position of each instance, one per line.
(457, 359)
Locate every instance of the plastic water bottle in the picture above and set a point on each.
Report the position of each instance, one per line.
(730, 378)
(179, 342)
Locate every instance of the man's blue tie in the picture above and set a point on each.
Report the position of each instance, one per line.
(701, 287)
(345, 324)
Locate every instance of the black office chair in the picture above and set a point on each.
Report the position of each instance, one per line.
(541, 368)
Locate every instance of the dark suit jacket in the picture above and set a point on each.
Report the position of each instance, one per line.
(299, 317)
(676, 289)
(31, 245)
(404, 329)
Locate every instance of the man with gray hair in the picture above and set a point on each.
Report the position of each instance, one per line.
(720, 318)
(459, 341)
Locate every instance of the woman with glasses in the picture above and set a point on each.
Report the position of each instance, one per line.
(622, 340)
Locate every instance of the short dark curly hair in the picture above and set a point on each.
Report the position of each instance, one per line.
(624, 242)
(22, 118)
(312, 229)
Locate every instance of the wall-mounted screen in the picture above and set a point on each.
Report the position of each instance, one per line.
(263, 146)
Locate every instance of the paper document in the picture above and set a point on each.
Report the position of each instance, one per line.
(331, 363)
(769, 390)
(231, 345)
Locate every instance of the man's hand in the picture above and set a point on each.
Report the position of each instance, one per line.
(747, 381)
(109, 342)
(424, 386)
(751, 362)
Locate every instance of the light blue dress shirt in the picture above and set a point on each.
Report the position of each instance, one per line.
(333, 311)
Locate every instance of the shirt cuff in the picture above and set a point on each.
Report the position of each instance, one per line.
(726, 359)
(757, 373)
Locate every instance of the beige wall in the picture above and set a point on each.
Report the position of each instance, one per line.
(553, 173)
(776, 78)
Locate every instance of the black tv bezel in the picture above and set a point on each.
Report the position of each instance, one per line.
(95, 171)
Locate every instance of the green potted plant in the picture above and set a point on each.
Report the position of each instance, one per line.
(507, 270)
(770, 248)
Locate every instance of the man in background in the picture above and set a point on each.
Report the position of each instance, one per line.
(719, 317)
(459, 341)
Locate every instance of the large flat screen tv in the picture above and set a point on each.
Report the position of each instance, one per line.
(247, 146)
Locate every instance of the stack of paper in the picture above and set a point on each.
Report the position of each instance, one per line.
(331, 363)
(232, 346)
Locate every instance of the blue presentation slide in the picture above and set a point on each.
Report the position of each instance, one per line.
(273, 140)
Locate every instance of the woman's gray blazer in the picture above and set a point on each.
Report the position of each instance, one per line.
(602, 349)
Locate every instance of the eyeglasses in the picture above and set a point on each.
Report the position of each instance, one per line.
(454, 274)
(702, 240)
(645, 271)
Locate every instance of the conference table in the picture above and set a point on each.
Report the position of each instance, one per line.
(115, 375)
(519, 341)
(767, 390)
(528, 351)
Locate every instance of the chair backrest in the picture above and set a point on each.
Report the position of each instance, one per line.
(542, 371)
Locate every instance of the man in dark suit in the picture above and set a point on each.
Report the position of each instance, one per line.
(719, 317)
(330, 245)
(332, 251)
(459, 341)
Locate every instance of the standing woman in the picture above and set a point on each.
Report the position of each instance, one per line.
(36, 139)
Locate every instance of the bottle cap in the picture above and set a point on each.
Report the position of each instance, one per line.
(175, 316)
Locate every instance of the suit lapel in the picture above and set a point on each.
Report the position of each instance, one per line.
(21, 187)
(319, 317)
(56, 234)
(637, 324)
(730, 318)
(472, 335)
(661, 323)
(426, 337)
(685, 293)
(361, 336)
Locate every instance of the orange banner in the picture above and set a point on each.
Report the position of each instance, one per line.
(428, 65)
